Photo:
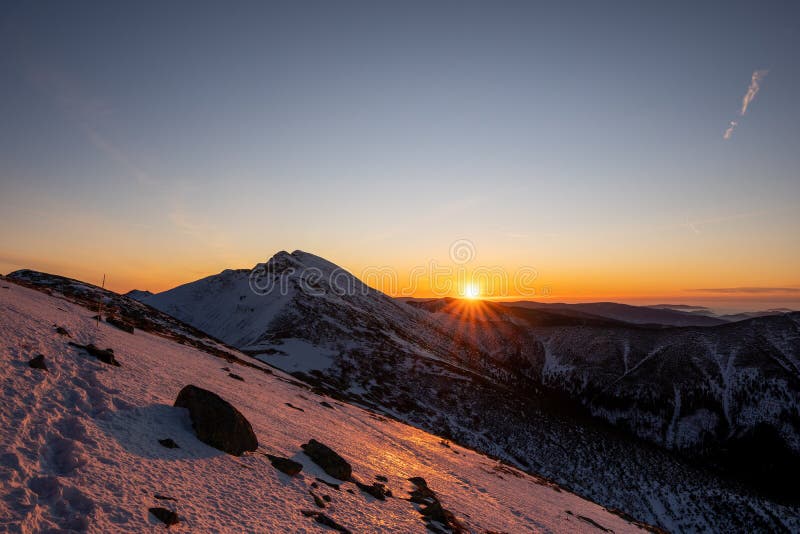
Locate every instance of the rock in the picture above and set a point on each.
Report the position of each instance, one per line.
(104, 355)
(328, 460)
(164, 497)
(432, 510)
(235, 377)
(169, 443)
(217, 422)
(37, 362)
(377, 490)
(323, 519)
(119, 323)
(317, 500)
(326, 498)
(166, 516)
(381, 478)
(292, 406)
(285, 465)
(326, 404)
(62, 331)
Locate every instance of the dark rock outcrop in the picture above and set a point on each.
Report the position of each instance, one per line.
(37, 362)
(328, 460)
(216, 421)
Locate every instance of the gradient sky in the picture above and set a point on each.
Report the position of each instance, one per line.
(159, 142)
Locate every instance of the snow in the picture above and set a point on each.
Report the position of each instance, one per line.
(80, 451)
(298, 355)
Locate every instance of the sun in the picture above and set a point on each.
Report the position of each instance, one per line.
(472, 291)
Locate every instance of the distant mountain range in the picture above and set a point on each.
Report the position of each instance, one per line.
(578, 393)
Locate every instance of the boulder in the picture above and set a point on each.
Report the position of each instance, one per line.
(328, 460)
(38, 362)
(216, 421)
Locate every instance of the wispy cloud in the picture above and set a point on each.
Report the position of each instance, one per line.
(747, 290)
(752, 89)
(749, 96)
(729, 132)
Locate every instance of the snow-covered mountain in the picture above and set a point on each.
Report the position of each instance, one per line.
(88, 446)
(529, 385)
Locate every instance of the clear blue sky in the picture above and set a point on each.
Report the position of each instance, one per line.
(163, 141)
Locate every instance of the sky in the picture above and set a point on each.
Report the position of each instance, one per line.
(634, 151)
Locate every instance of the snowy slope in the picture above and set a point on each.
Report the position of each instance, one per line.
(80, 450)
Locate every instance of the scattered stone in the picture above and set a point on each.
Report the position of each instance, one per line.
(285, 465)
(119, 323)
(228, 369)
(328, 460)
(290, 405)
(164, 497)
(381, 478)
(235, 377)
(326, 404)
(104, 355)
(37, 362)
(323, 519)
(317, 500)
(314, 485)
(62, 331)
(351, 491)
(216, 421)
(166, 516)
(169, 443)
(326, 498)
(431, 509)
(377, 490)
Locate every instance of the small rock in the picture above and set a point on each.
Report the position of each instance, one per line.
(317, 500)
(164, 497)
(235, 377)
(314, 485)
(62, 331)
(37, 362)
(285, 465)
(169, 443)
(290, 405)
(104, 355)
(326, 404)
(323, 519)
(328, 460)
(326, 498)
(166, 516)
(381, 478)
(216, 421)
(377, 490)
